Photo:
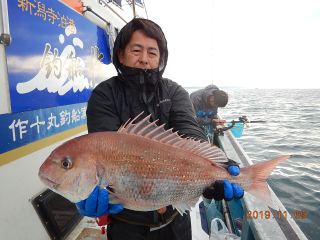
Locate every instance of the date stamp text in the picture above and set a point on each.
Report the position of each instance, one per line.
(267, 215)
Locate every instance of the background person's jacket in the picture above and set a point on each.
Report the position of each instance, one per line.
(134, 90)
(204, 111)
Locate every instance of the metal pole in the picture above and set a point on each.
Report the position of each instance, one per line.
(106, 4)
(88, 8)
(5, 37)
(226, 214)
(134, 9)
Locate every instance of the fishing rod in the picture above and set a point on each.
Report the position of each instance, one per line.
(244, 119)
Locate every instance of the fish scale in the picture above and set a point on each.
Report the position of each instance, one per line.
(145, 167)
(176, 178)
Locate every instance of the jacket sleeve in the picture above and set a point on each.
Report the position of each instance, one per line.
(182, 115)
(101, 112)
(204, 121)
(196, 101)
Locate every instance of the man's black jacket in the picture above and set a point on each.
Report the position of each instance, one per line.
(200, 100)
(134, 90)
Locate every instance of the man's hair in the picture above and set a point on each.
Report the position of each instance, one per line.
(220, 98)
(150, 29)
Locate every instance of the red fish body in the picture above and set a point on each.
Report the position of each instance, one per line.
(145, 168)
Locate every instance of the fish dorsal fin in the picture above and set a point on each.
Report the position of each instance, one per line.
(150, 130)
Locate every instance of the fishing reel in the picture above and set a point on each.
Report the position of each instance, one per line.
(243, 119)
(219, 131)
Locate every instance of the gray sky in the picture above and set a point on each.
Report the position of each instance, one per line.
(256, 44)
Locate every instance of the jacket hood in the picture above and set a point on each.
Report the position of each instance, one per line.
(121, 69)
(207, 92)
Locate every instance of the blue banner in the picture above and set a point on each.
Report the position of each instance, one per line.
(19, 129)
(56, 57)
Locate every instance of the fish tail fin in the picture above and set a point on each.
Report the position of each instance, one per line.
(258, 174)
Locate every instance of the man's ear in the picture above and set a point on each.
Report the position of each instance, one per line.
(120, 55)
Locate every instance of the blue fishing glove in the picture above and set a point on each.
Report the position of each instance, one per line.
(233, 167)
(232, 190)
(224, 189)
(97, 204)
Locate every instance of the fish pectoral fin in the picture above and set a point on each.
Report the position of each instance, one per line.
(182, 207)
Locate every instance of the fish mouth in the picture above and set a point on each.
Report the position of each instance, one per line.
(49, 182)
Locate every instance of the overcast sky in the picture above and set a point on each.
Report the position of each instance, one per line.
(256, 44)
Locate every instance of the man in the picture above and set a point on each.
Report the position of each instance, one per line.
(206, 102)
(140, 57)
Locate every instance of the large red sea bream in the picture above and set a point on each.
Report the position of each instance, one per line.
(146, 168)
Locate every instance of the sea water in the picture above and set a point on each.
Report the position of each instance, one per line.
(293, 129)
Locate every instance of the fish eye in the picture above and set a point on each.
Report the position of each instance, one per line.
(66, 163)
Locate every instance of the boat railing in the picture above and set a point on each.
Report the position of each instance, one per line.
(259, 221)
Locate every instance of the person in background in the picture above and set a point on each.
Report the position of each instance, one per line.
(206, 102)
(140, 56)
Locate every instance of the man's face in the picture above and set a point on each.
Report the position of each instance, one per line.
(211, 101)
(141, 52)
